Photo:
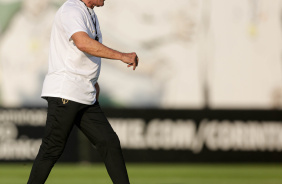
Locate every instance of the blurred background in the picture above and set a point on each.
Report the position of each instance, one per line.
(194, 54)
(208, 88)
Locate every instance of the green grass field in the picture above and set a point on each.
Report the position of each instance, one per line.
(152, 174)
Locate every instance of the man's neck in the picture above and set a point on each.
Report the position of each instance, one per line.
(87, 3)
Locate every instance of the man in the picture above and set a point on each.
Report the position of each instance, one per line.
(72, 91)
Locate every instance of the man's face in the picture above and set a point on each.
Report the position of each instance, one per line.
(97, 3)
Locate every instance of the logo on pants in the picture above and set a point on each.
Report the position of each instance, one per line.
(65, 101)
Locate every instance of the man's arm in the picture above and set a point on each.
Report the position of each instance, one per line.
(86, 44)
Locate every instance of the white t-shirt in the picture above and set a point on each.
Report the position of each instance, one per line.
(72, 73)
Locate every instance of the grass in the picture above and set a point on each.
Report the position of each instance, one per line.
(152, 174)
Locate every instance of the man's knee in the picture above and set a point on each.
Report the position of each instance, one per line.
(111, 141)
(51, 150)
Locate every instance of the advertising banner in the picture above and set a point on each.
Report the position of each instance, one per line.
(198, 135)
(156, 135)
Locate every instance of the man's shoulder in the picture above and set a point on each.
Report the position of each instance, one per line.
(72, 6)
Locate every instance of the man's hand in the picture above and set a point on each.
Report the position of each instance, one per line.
(131, 59)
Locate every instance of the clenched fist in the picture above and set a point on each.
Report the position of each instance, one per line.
(131, 59)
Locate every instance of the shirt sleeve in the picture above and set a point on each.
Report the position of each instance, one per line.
(73, 21)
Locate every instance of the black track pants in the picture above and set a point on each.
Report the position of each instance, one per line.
(92, 122)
